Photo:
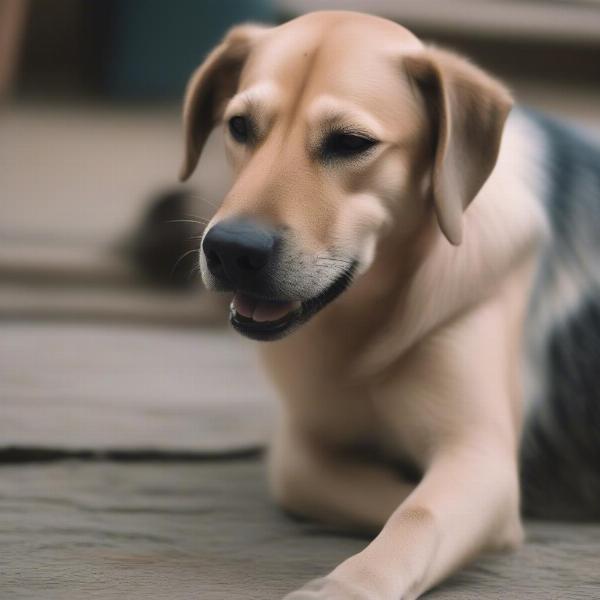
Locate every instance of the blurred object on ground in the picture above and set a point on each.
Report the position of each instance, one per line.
(166, 243)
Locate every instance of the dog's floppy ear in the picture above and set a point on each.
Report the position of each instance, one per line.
(468, 110)
(215, 80)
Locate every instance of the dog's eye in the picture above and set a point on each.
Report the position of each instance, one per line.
(340, 145)
(239, 129)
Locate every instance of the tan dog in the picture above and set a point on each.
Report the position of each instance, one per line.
(357, 152)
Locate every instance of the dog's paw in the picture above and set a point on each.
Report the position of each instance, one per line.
(327, 588)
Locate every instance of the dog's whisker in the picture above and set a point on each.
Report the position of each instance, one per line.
(195, 270)
(182, 257)
(204, 223)
(192, 216)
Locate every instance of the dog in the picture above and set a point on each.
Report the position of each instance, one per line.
(422, 257)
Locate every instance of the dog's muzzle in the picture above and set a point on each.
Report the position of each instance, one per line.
(245, 257)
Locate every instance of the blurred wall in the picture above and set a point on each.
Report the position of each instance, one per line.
(124, 49)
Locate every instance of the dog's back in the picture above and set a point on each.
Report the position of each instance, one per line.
(561, 444)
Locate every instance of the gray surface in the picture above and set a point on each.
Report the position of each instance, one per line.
(207, 531)
(90, 387)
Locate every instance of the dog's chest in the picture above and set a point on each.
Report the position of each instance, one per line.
(349, 416)
(362, 422)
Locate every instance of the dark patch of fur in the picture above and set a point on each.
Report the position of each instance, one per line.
(561, 445)
(561, 449)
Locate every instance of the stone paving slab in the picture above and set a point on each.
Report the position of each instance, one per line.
(208, 531)
(80, 386)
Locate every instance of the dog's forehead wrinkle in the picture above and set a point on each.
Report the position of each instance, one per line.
(309, 60)
(285, 57)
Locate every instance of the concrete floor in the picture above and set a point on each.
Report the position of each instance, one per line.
(207, 531)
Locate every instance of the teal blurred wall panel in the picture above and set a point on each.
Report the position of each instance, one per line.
(154, 45)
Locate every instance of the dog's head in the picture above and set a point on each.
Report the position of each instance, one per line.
(342, 130)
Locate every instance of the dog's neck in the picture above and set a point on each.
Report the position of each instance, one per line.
(417, 284)
(363, 312)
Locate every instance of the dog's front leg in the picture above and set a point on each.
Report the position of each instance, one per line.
(462, 410)
(465, 503)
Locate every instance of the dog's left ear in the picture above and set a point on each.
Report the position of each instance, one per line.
(215, 80)
(468, 109)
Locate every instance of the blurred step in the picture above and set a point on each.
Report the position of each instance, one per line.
(543, 39)
(557, 21)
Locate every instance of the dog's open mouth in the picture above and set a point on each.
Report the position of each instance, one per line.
(262, 319)
(267, 319)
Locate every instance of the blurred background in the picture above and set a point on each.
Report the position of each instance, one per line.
(109, 349)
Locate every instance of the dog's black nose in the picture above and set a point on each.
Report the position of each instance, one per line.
(238, 250)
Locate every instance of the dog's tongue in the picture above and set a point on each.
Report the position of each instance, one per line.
(262, 310)
(244, 305)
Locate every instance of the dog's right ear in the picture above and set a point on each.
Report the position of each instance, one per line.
(215, 80)
(468, 109)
